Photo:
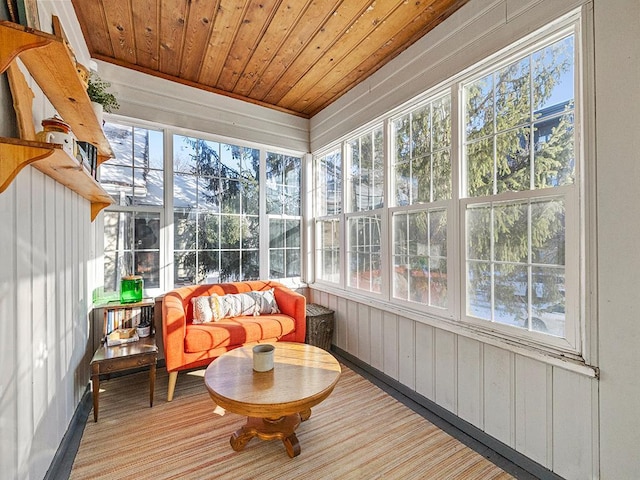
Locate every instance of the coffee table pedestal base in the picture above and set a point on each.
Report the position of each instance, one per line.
(282, 428)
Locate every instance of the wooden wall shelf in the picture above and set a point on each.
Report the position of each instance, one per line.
(53, 161)
(53, 67)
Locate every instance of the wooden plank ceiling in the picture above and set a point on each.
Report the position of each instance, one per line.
(296, 56)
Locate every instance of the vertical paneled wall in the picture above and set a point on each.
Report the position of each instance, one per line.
(539, 410)
(45, 247)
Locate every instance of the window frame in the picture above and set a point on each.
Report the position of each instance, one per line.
(455, 318)
(166, 212)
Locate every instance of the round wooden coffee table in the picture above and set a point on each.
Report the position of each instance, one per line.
(276, 401)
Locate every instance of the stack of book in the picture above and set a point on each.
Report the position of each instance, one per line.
(122, 336)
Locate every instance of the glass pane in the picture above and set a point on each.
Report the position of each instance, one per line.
(553, 74)
(120, 139)
(402, 139)
(207, 267)
(511, 293)
(116, 265)
(230, 196)
(513, 161)
(554, 155)
(418, 233)
(184, 268)
(140, 148)
(402, 175)
(421, 180)
(229, 231)
(479, 233)
(274, 200)
(293, 171)
(250, 265)
(276, 264)
(400, 277)
(293, 233)
(117, 182)
(511, 236)
(479, 290)
(147, 264)
(185, 191)
(293, 263)
(441, 175)
(184, 230)
(419, 280)
(147, 231)
(118, 231)
(333, 183)
(276, 233)
(479, 108)
(208, 193)
(400, 240)
(156, 149)
(421, 131)
(149, 187)
(251, 198)
(250, 163)
(548, 301)
(441, 123)
(230, 266)
(208, 235)
(185, 154)
(512, 95)
(291, 201)
(480, 168)
(250, 232)
(548, 232)
(230, 158)
(208, 158)
(438, 233)
(438, 283)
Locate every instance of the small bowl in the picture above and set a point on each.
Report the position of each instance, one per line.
(144, 331)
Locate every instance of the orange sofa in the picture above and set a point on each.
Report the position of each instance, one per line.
(190, 345)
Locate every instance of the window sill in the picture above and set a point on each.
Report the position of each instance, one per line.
(564, 360)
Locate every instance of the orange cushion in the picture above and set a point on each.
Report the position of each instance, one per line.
(236, 331)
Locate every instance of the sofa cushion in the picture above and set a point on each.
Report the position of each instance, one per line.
(202, 312)
(265, 301)
(234, 332)
(233, 305)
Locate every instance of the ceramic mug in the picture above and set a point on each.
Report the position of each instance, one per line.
(263, 357)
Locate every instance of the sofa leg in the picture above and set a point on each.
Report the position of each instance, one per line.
(173, 376)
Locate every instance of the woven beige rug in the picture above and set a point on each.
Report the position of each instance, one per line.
(359, 432)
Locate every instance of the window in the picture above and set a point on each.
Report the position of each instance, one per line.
(283, 210)
(422, 186)
(207, 225)
(134, 178)
(519, 166)
(484, 166)
(328, 204)
(215, 211)
(365, 160)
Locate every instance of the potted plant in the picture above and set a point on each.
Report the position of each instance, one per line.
(101, 99)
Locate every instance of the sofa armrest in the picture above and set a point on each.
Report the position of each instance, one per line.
(174, 328)
(293, 304)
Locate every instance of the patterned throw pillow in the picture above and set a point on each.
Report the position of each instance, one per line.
(232, 305)
(265, 301)
(202, 312)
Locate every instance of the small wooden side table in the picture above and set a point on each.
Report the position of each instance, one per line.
(106, 360)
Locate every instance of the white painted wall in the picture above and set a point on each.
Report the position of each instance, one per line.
(578, 426)
(45, 253)
(154, 99)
